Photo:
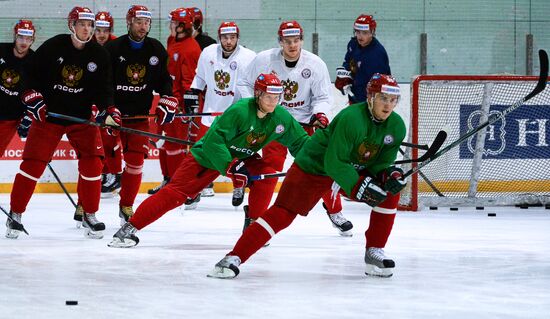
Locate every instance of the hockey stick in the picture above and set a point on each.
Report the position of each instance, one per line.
(432, 149)
(136, 117)
(61, 184)
(425, 178)
(120, 128)
(265, 176)
(541, 84)
(14, 221)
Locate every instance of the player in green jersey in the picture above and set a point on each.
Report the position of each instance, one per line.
(229, 148)
(354, 155)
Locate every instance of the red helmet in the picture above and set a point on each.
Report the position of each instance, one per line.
(182, 16)
(268, 83)
(290, 28)
(104, 19)
(197, 17)
(365, 22)
(228, 28)
(137, 11)
(24, 27)
(79, 13)
(383, 83)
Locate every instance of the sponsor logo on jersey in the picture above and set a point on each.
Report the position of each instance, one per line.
(121, 59)
(223, 93)
(2, 61)
(10, 78)
(366, 151)
(222, 79)
(388, 139)
(306, 73)
(135, 73)
(153, 60)
(290, 88)
(233, 65)
(255, 138)
(71, 75)
(242, 150)
(60, 60)
(65, 88)
(130, 88)
(92, 67)
(175, 56)
(279, 129)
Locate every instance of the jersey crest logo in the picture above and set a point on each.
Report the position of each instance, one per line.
(279, 129)
(290, 88)
(366, 151)
(222, 79)
(71, 75)
(153, 60)
(388, 139)
(135, 73)
(92, 67)
(175, 56)
(233, 65)
(255, 138)
(10, 78)
(306, 73)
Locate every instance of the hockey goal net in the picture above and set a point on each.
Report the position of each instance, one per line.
(507, 163)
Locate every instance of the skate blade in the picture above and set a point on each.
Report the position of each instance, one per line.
(347, 233)
(372, 270)
(88, 233)
(108, 195)
(12, 233)
(191, 207)
(222, 273)
(207, 192)
(117, 243)
(78, 224)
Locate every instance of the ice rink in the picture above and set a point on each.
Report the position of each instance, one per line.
(448, 265)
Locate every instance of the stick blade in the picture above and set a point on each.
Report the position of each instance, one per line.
(543, 76)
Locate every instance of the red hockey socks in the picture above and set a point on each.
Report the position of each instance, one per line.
(260, 197)
(89, 183)
(260, 232)
(131, 178)
(155, 206)
(24, 184)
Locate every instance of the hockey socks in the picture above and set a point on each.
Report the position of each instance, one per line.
(155, 206)
(260, 232)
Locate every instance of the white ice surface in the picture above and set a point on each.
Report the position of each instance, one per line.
(448, 265)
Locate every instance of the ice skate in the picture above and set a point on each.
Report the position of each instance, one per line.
(125, 212)
(377, 263)
(191, 204)
(208, 191)
(238, 196)
(340, 222)
(153, 191)
(111, 186)
(226, 268)
(93, 228)
(78, 212)
(124, 237)
(14, 226)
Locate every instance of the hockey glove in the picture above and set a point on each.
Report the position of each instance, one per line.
(392, 179)
(343, 81)
(36, 108)
(166, 109)
(24, 126)
(191, 101)
(111, 117)
(238, 173)
(319, 120)
(369, 191)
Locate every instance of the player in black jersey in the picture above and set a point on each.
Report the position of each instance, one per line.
(67, 75)
(13, 58)
(139, 67)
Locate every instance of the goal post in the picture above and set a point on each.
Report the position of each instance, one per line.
(506, 163)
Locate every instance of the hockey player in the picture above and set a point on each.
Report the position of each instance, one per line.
(365, 56)
(306, 96)
(13, 59)
(68, 75)
(356, 152)
(183, 56)
(112, 165)
(220, 67)
(203, 39)
(139, 66)
(230, 148)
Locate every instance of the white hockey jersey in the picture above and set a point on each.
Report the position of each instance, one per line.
(220, 77)
(306, 87)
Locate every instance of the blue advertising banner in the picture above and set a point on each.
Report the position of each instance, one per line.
(522, 134)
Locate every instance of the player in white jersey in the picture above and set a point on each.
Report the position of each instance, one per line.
(306, 96)
(219, 68)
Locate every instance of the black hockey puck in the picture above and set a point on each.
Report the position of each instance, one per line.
(71, 302)
(454, 208)
(492, 214)
(433, 207)
(480, 208)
